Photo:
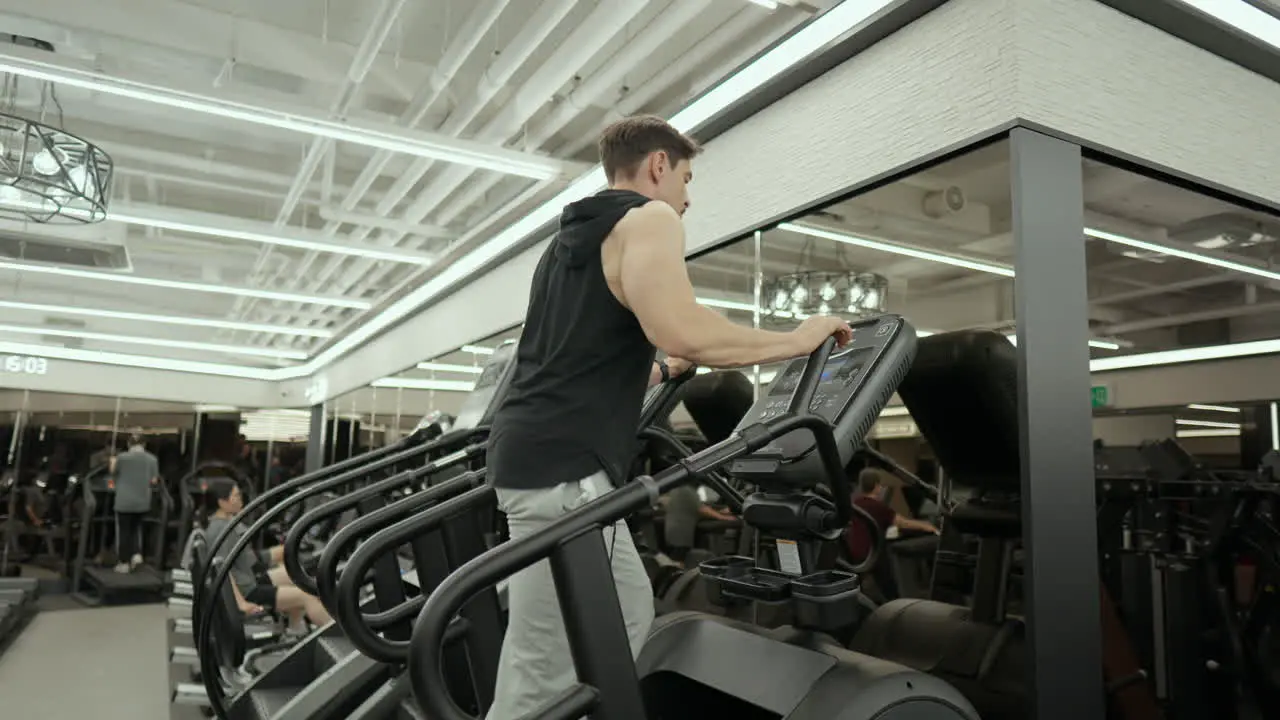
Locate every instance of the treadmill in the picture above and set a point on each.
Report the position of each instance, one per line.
(793, 445)
(326, 676)
(95, 585)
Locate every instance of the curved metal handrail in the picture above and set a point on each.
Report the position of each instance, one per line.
(345, 540)
(298, 531)
(455, 496)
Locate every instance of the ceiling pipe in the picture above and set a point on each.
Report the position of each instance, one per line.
(383, 23)
(379, 29)
(596, 31)
(542, 84)
(474, 28)
(745, 24)
(585, 95)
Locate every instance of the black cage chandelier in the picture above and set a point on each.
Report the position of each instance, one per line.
(48, 175)
(801, 294)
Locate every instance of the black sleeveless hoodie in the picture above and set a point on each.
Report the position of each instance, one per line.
(582, 364)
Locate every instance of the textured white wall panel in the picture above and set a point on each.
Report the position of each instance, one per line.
(933, 85)
(1098, 74)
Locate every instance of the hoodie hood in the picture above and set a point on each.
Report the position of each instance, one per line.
(586, 223)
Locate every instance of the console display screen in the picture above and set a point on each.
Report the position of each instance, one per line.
(838, 369)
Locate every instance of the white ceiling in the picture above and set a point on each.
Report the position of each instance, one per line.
(516, 80)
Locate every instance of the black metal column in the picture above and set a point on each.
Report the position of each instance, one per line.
(316, 438)
(1058, 507)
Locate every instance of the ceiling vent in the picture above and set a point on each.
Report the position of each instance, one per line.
(49, 249)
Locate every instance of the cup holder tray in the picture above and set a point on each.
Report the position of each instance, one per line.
(826, 600)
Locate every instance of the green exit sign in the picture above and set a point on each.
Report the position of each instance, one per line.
(1101, 395)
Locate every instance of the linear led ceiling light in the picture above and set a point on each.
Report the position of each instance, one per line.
(767, 4)
(944, 258)
(156, 342)
(1208, 433)
(168, 319)
(1275, 426)
(1242, 16)
(1093, 342)
(477, 349)
(295, 239)
(1213, 408)
(193, 286)
(463, 152)
(419, 384)
(447, 367)
(54, 352)
(795, 49)
(1185, 355)
(1184, 254)
(1207, 423)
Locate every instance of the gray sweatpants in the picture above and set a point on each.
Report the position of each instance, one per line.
(536, 663)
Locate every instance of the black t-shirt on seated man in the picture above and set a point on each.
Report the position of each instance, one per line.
(582, 365)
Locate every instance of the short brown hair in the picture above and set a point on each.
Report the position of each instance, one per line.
(868, 479)
(627, 142)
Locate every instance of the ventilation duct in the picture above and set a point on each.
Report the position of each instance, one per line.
(106, 251)
(1228, 230)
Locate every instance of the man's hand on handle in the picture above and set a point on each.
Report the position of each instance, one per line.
(677, 366)
(817, 328)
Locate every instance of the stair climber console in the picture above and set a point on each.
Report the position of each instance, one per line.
(855, 384)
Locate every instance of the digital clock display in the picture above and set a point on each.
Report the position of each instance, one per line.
(24, 365)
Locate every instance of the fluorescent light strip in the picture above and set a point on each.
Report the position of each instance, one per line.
(1207, 433)
(139, 361)
(416, 384)
(767, 4)
(1173, 357)
(1243, 17)
(1184, 254)
(365, 251)
(814, 36)
(181, 285)
(168, 319)
(477, 349)
(1275, 427)
(882, 246)
(1207, 423)
(473, 154)
(1102, 344)
(1213, 408)
(446, 367)
(156, 342)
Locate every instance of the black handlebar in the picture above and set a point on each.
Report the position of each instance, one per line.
(459, 495)
(298, 531)
(286, 496)
(664, 399)
(431, 632)
(728, 493)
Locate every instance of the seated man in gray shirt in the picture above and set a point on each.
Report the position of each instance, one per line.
(257, 584)
(134, 473)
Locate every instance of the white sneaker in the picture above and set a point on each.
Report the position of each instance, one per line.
(122, 568)
(134, 562)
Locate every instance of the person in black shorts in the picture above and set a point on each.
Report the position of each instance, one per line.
(260, 581)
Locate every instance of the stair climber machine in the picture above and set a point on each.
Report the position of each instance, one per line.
(978, 647)
(796, 438)
(451, 536)
(324, 676)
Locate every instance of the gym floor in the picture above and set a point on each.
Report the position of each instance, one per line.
(100, 663)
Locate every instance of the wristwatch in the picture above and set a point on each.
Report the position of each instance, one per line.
(664, 370)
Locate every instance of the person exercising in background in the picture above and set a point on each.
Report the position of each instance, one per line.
(870, 485)
(135, 472)
(260, 582)
(610, 288)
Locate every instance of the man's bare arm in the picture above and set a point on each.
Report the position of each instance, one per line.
(656, 286)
